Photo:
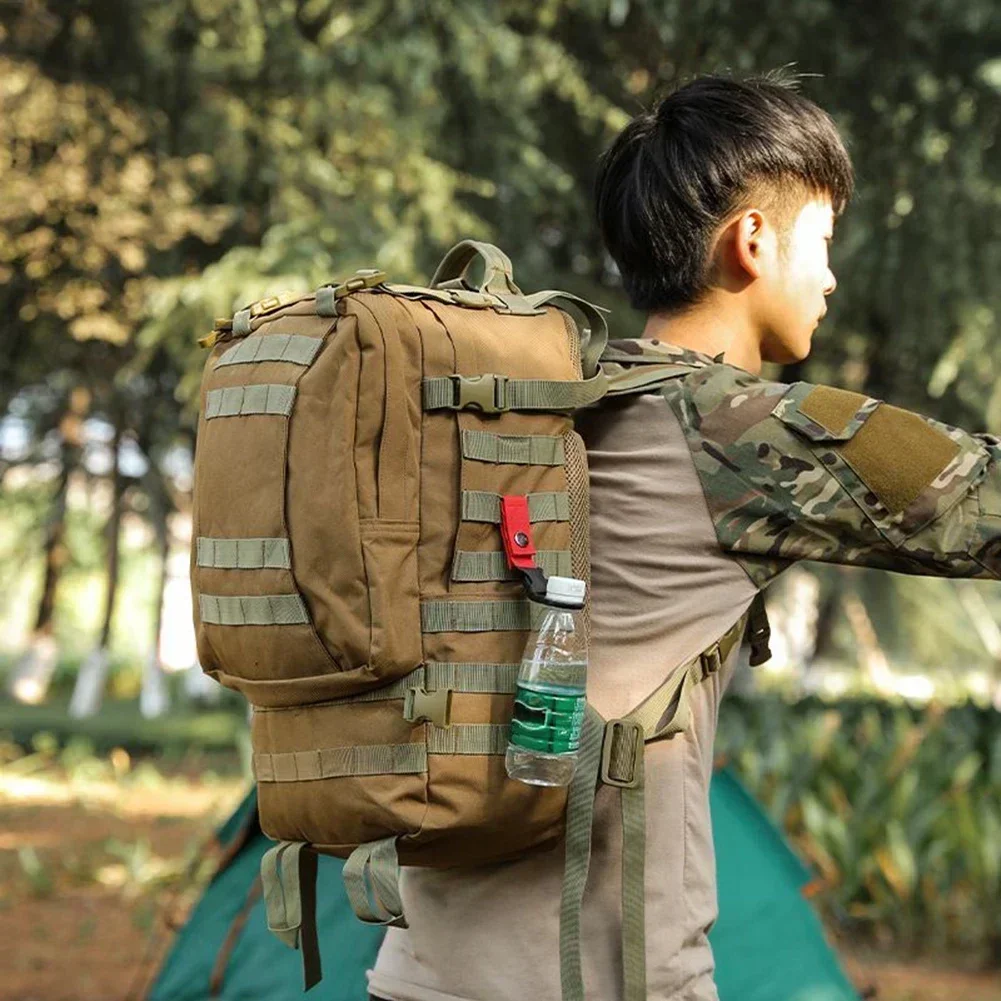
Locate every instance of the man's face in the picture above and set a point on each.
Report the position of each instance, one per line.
(795, 284)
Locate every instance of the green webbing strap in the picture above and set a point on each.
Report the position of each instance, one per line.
(501, 679)
(288, 881)
(469, 738)
(622, 767)
(502, 302)
(244, 401)
(517, 449)
(296, 349)
(337, 762)
(642, 377)
(252, 610)
(381, 759)
(372, 880)
(448, 392)
(497, 271)
(593, 329)
(472, 677)
(442, 615)
(633, 889)
(243, 554)
(483, 505)
(666, 711)
(420, 292)
(662, 714)
(480, 566)
(580, 815)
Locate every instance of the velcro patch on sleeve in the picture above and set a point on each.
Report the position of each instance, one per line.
(898, 454)
(833, 409)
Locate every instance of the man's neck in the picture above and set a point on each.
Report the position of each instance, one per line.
(710, 333)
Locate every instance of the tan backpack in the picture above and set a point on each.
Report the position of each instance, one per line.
(349, 579)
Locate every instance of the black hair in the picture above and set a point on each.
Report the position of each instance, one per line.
(677, 171)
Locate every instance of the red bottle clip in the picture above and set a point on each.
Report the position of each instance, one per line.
(516, 531)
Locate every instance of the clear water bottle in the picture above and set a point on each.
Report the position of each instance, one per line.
(551, 696)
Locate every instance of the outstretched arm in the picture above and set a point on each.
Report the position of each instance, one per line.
(809, 472)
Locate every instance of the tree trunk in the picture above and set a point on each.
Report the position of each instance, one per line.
(154, 698)
(55, 535)
(89, 690)
(872, 659)
(29, 680)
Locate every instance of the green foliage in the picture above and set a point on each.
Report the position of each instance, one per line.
(82, 586)
(898, 810)
(54, 736)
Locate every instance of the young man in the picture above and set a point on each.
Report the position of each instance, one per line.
(718, 206)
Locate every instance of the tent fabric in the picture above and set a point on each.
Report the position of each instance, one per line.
(768, 943)
(259, 967)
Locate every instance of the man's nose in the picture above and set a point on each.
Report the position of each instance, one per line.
(831, 284)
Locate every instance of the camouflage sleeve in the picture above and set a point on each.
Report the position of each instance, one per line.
(808, 472)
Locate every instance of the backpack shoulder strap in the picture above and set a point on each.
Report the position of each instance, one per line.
(612, 753)
(641, 365)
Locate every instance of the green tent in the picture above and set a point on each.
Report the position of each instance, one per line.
(769, 945)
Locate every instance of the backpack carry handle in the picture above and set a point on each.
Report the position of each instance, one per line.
(497, 273)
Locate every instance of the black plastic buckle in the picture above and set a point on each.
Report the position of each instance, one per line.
(710, 661)
(535, 582)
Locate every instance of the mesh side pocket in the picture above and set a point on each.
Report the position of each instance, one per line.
(578, 487)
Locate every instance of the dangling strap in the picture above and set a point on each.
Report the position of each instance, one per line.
(288, 876)
(622, 766)
(580, 813)
(593, 328)
(375, 864)
(662, 714)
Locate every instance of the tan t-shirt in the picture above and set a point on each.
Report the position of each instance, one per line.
(662, 591)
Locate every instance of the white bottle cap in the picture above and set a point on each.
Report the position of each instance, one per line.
(566, 591)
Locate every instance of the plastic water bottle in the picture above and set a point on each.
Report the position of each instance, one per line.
(551, 696)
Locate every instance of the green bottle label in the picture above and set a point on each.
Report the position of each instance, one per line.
(550, 722)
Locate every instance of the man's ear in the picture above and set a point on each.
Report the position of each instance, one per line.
(748, 234)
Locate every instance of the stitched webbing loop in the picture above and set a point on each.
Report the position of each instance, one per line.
(372, 881)
(288, 879)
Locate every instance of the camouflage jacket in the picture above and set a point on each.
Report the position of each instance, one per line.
(810, 472)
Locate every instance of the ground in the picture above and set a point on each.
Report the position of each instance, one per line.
(96, 856)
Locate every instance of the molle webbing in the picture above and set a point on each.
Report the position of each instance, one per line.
(335, 762)
(252, 610)
(445, 616)
(297, 349)
(244, 401)
(483, 505)
(482, 566)
(517, 449)
(470, 678)
(381, 759)
(244, 554)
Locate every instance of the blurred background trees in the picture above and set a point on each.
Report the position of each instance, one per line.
(163, 164)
